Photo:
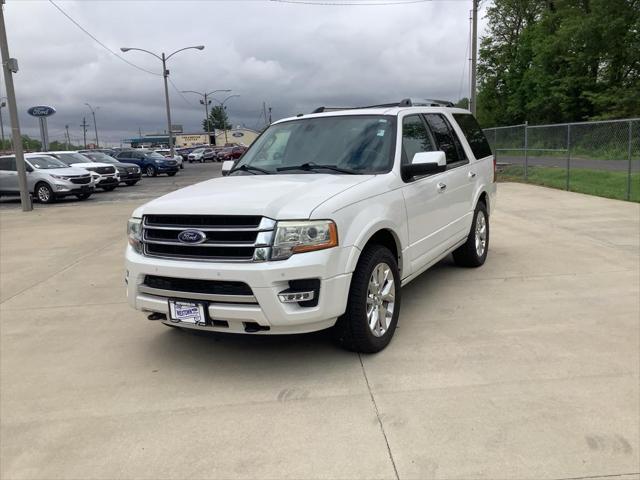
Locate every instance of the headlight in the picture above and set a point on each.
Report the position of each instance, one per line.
(59, 177)
(297, 237)
(134, 232)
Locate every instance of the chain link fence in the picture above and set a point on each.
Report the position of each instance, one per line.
(600, 158)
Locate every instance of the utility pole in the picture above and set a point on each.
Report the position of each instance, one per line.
(84, 126)
(474, 57)
(9, 67)
(270, 121)
(95, 125)
(67, 138)
(206, 102)
(2, 105)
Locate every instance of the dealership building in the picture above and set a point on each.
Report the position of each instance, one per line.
(239, 136)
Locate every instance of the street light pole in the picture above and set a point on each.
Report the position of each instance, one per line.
(206, 102)
(9, 67)
(474, 58)
(165, 74)
(95, 125)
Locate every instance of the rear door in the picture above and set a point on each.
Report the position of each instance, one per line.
(8, 175)
(130, 157)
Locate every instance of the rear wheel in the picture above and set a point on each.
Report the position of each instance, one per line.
(150, 171)
(44, 193)
(83, 196)
(474, 252)
(373, 307)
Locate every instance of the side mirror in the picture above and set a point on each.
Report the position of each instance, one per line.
(227, 165)
(28, 168)
(424, 163)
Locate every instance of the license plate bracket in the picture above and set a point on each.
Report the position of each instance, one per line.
(187, 311)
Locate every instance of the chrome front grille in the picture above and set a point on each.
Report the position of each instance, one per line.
(210, 290)
(105, 170)
(239, 238)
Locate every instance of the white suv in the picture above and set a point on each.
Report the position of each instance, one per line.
(318, 225)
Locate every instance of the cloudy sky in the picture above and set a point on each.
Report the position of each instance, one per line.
(294, 57)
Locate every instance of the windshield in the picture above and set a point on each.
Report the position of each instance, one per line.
(362, 144)
(44, 163)
(100, 157)
(154, 155)
(198, 150)
(72, 157)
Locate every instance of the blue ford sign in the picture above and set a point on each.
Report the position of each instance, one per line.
(41, 111)
(192, 236)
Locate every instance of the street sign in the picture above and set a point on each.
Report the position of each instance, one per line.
(41, 111)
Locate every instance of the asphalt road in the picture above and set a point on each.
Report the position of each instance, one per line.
(147, 189)
(584, 163)
(525, 368)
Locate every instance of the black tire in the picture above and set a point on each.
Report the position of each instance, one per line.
(171, 174)
(467, 255)
(109, 189)
(131, 183)
(352, 329)
(83, 196)
(181, 166)
(151, 171)
(44, 193)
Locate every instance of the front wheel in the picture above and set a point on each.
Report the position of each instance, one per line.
(181, 166)
(83, 196)
(44, 193)
(150, 171)
(171, 174)
(109, 189)
(373, 307)
(131, 183)
(474, 252)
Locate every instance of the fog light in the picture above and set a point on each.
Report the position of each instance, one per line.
(295, 297)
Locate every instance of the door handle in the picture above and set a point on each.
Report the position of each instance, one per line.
(472, 174)
(441, 187)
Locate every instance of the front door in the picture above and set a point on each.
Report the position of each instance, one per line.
(8, 175)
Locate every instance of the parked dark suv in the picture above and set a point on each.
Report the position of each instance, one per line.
(129, 173)
(150, 162)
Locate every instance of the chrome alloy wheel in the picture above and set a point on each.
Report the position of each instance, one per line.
(44, 195)
(481, 233)
(381, 299)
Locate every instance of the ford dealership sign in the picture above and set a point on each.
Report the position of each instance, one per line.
(41, 111)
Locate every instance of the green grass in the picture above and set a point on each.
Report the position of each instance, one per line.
(593, 182)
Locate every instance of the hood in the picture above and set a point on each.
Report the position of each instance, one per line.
(276, 196)
(70, 171)
(92, 164)
(124, 165)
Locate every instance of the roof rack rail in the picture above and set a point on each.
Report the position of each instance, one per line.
(407, 102)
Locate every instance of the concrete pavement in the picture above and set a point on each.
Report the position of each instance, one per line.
(526, 368)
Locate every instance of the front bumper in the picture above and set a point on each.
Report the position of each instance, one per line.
(108, 181)
(266, 280)
(128, 177)
(63, 189)
(161, 168)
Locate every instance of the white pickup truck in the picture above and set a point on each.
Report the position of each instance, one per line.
(318, 225)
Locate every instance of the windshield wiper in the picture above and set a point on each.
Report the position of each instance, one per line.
(250, 168)
(310, 166)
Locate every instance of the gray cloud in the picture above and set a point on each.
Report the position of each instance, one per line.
(294, 57)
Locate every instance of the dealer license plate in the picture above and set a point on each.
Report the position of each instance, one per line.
(187, 312)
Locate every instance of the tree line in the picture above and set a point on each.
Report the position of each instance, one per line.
(554, 61)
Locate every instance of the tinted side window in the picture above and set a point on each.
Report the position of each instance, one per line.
(8, 164)
(445, 138)
(474, 134)
(415, 138)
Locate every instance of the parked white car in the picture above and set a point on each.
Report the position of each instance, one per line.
(104, 175)
(165, 152)
(48, 179)
(318, 225)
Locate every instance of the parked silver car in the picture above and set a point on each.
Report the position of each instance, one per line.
(47, 178)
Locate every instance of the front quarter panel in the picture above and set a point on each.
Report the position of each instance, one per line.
(365, 209)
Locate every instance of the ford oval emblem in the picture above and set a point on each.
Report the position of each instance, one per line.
(192, 236)
(41, 111)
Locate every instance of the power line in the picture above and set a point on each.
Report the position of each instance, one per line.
(99, 42)
(179, 91)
